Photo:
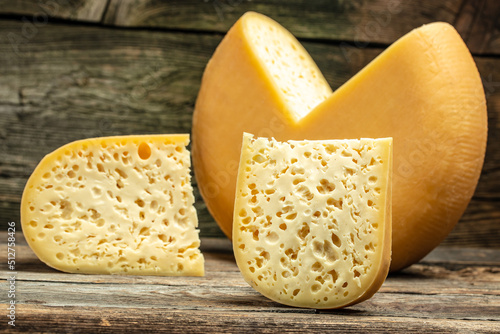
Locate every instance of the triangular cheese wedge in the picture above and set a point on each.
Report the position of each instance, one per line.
(115, 205)
(312, 219)
(424, 91)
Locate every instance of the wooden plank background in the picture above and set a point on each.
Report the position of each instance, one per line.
(81, 68)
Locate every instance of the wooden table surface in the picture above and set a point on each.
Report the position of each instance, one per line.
(453, 290)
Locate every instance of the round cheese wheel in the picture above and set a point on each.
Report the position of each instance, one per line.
(424, 91)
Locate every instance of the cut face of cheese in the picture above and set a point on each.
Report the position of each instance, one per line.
(290, 68)
(115, 205)
(424, 91)
(312, 219)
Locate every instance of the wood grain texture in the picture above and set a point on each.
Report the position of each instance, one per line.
(69, 82)
(358, 23)
(377, 21)
(432, 296)
(479, 24)
(40, 11)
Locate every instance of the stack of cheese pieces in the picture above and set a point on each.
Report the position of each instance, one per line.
(312, 220)
(115, 205)
(424, 91)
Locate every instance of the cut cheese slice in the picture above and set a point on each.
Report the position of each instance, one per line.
(115, 205)
(312, 219)
(424, 91)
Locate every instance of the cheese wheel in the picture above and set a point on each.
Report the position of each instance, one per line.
(312, 219)
(115, 205)
(424, 91)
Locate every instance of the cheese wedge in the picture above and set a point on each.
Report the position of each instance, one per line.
(312, 219)
(424, 91)
(115, 205)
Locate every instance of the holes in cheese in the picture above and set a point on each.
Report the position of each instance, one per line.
(115, 205)
(424, 91)
(312, 219)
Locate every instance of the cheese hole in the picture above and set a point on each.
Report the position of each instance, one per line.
(304, 231)
(46, 175)
(317, 266)
(139, 202)
(121, 173)
(315, 287)
(273, 237)
(295, 292)
(60, 256)
(33, 223)
(283, 226)
(372, 179)
(162, 237)
(334, 275)
(96, 191)
(336, 240)
(144, 151)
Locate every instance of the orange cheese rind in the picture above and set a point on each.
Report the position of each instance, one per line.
(424, 91)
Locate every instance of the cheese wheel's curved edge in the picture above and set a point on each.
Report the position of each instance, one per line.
(447, 44)
(235, 45)
(206, 182)
(41, 168)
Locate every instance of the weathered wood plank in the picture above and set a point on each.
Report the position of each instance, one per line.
(40, 11)
(242, 298)
(437, 274)
(425, 297)
(378, 21)
(34, 318)
(357, 22)
(53, 90)
(479, 25)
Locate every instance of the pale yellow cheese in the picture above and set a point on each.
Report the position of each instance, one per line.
(115, 205)
(312, 219)
(424, 91)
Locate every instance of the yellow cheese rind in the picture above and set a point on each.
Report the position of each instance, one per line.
(115, 205)
(424, 91)
(312, 219)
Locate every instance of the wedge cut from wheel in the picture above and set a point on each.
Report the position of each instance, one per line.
(312, 219)
(424, 91)
(115, 205)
